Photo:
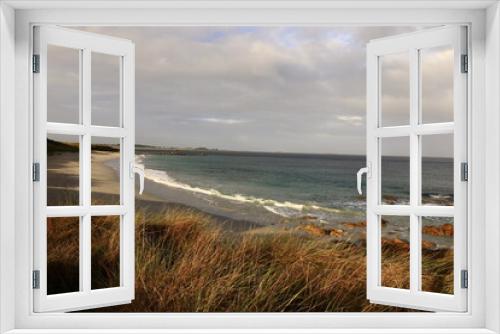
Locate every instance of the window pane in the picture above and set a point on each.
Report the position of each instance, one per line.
(63, 255)
(63, 170)
(395, 170)
(105, 252)
(395, 265)
(437, 254)
(105, 171)
(437, 84)
(395, 89)
(63, 84)
(437, 169)
(105, 89)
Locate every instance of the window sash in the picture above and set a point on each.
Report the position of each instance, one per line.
(414, 297)
(85, 43)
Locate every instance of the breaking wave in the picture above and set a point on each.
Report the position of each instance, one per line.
(282, 208)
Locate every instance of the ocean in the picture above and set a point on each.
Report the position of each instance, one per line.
(258, 186)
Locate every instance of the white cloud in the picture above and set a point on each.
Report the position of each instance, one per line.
(288, 89)
(227, 121)
(352, 120)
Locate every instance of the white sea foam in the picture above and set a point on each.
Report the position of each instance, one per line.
(285, 209)
(440, 196)
(139, 159)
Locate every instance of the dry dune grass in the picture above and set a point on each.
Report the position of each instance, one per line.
(185, 263)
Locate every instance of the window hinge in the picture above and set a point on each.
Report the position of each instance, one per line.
(464, 171)
(36, 172)
(36, 279)
(36, 63)
(464, 279)
(465, 64)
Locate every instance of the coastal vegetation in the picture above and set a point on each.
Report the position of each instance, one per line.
(185, 262)
(188, 260)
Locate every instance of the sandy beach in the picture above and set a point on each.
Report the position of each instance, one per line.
(232, 215)
(173, 223)
(63, 185)
(63, 188)
(157, 198)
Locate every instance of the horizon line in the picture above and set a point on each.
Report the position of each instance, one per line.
(202, 148)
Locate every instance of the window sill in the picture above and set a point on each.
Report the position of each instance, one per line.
(255, 331)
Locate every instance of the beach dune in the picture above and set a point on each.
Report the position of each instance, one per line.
(191, 257)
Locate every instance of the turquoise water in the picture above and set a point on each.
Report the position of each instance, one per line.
(292, 184)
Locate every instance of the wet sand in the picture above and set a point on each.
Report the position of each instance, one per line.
(63, 189)
(236, 216)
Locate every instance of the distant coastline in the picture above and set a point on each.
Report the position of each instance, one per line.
(143, 149)
(167, 216)
(204, 151)
(252, 213)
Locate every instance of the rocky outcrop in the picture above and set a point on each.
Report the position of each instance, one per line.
(335, 232)
(355, 224)
(403, 245)
(390, 199)
(428, 245)
(395, 245)
(445, 230)
(361, 224)
(319, 231)
(313, 230)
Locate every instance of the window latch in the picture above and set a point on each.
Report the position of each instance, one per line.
(365, 170)
(139, 169)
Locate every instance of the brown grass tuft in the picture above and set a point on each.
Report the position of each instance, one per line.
(186, 263)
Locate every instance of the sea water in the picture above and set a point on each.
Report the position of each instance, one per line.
(291, 185)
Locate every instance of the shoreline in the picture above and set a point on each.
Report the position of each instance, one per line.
(238, 216)
(105, 188)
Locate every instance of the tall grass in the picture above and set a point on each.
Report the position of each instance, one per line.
(186, 263)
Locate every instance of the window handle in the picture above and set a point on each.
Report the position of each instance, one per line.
(139, 169)
(364, 170)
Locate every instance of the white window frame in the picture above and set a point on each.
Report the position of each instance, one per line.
(483, 17)
(85, 44)
(411, 44)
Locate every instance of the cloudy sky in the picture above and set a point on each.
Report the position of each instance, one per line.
(288, 89)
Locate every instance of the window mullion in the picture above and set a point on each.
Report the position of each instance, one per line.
(414, 172)
(81, 170)
(86, 175)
